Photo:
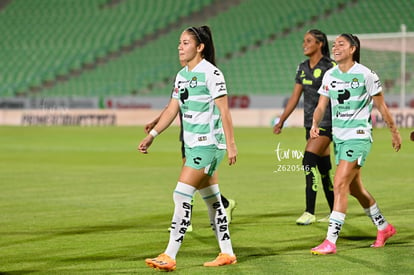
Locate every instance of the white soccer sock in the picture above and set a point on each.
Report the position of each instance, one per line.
(376, 216)
(336, 220)
(183, 194)
(218, 217)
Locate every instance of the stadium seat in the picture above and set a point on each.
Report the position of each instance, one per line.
(94, 51)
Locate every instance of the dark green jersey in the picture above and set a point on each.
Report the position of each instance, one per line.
(311, 80)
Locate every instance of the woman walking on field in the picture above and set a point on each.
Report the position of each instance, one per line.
(200, 94)
(317, 153)
(352, 89)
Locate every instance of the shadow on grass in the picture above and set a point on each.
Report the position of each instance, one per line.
(142, 225)
(152, 224)
(18, 272)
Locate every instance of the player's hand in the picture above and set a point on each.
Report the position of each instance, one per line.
(232, 154)
(277, 129)
(314, 132)
(396, 141)
(145, 144)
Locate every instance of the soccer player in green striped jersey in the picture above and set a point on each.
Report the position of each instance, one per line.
(200, 94)
(229, 204)
(353, 89)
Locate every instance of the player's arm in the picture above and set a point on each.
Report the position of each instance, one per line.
(222, 104)
(318, 115)
(165, 120)
(290, 107)
(150, 125)
(379, 103)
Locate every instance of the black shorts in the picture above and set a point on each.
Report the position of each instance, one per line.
(323, 131)
(182, 149)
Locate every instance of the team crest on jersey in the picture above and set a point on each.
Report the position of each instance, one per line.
(193, 82)
(317, 73)
(355, 83)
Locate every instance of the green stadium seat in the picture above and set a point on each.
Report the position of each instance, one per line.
(44, 39)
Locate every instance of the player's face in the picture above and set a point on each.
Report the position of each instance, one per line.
(187, 48)
(342, 50)
(310, 45)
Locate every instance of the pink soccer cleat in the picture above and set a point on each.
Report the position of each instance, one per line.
(384, 235)
(324, 248)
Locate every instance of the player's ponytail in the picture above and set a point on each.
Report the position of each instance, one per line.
(354, 41)
(203, 35)
(321, 37)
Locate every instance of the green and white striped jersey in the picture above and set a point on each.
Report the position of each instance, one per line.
(196, 90)
(351, 101)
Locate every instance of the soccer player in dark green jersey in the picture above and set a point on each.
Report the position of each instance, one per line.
(317, 152)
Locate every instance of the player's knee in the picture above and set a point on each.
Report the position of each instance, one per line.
(310, 159)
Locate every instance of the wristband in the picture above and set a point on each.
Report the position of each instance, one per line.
(153, 133)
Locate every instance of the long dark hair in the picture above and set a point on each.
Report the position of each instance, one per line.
(203, 35)
(354, 41)
(321, 37)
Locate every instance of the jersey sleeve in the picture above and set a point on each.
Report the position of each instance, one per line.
(298, 80)
(216, 84)
(175, 91)
(324, 88)
(373, 83)
(173, 88)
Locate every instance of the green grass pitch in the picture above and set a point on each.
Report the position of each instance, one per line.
(82, 200)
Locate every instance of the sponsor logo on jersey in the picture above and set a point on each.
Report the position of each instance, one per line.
(181, 82)
(202, 138)
(343, 95)
(307, 82)
(335, 83)
(378, 83)
(183, 95)
(222, 86)
(175, 92)
(343, 115)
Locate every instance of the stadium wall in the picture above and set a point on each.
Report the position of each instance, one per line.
(404, 118)
(129, 117)
(159, 102)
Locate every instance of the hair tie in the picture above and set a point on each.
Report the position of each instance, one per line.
(196, 33)
(351, 39)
